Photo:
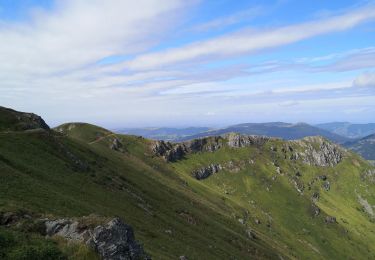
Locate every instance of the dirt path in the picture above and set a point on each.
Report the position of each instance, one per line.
(101, 138)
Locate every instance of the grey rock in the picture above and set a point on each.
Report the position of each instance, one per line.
(238, 140)
(315, 210)
(326, 185)
(115, 241)
(320, 152)
(251, 234)
(116, 145)
(315, 196)
(330, 220)
(323, 177)
(112, 241)
(205, 172)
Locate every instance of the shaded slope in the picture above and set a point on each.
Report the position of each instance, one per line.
(365, 147)
(348, 129)
(54, 174)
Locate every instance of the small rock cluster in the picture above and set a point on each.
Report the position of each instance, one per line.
(112, 241)
(205, 172)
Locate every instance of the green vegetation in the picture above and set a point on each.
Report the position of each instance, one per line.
(21, 246)
(251, 209)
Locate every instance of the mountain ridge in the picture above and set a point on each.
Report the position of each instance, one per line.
(213, 198)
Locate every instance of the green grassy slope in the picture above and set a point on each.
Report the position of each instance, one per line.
(285, 215)
(50, 173)
(74, 172)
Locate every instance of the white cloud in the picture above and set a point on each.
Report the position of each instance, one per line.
(232, 19)
(250, 41)
(77, 33)
(366, 79)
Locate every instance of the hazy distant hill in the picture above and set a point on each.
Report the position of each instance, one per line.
(163, 133)
(275, 129)
(348, 129)
(364, 146)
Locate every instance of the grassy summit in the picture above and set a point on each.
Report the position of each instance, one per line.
(259, 198)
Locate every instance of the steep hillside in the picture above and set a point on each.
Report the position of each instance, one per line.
(222, 197)
(365, 147)
(282, 130)
(163, 133)
(348, 129)
(11, 120)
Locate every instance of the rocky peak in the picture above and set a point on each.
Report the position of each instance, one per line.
(11, 120)
(318, 151)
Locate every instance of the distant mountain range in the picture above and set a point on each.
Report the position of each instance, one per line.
(275, 129)
(348, 129)
(357, 137)
(163, 133)
(364, 146)
(282, 130)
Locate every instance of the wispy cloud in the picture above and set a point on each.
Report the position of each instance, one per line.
(52, 61)
(238, 17)
(250, 41)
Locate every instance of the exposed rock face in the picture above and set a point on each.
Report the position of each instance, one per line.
(320, 152)
(205, 172)
(11, 120)
(172, 152)
(238, 140)
(67, 229)
(116, 145)
(113, 241)
(369, 175)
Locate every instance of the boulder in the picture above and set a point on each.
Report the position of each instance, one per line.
(115, 241)
(112, 241)
(205, 172)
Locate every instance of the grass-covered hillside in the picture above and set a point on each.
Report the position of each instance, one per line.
(231, 197)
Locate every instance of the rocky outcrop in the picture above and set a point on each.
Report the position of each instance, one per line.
(238, 140)
(115, 241)
(319, 152)
(205, 172)
(112, 241)
(369, 175)
(172, 152)
(11, 120)
(330, 220)
(116, 145)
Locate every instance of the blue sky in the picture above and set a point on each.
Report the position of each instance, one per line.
(121, 63)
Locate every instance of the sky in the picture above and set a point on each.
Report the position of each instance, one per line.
(120, 63)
